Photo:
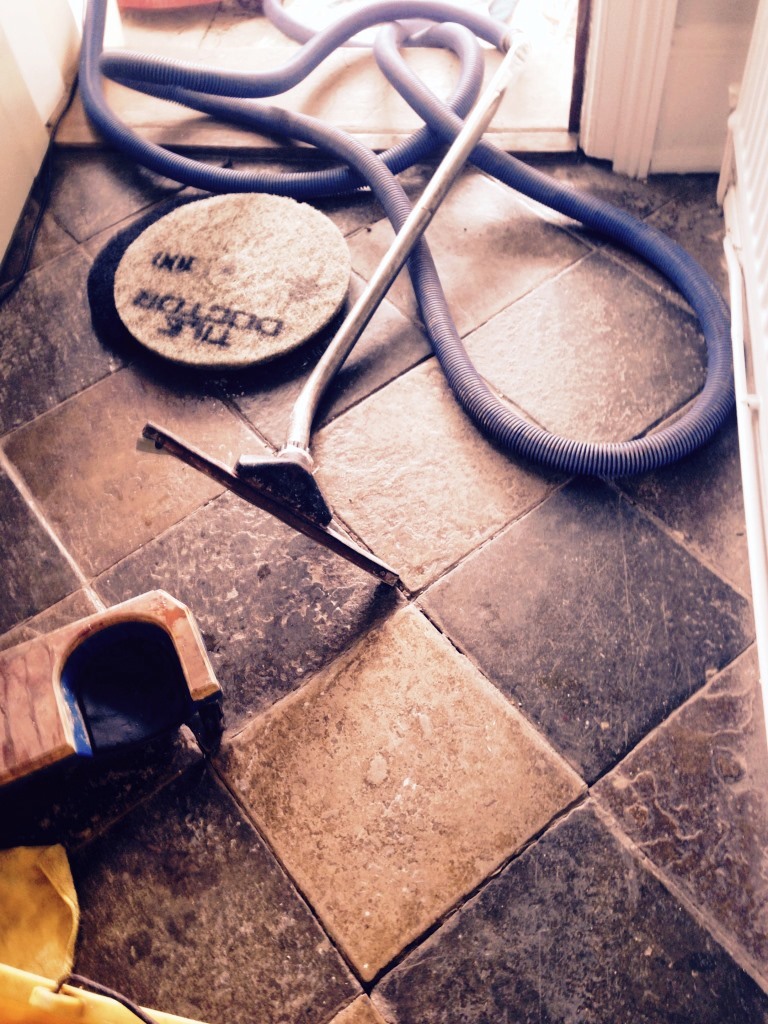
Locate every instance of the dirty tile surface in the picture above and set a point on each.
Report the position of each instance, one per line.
(35, 574)
(346, 774)
(272, 606)
(421, 756)
(389, 346)
(507, 245)
(601, 659)
(700, 500)
(52, 354)
(362, 1011)
(105, 495)
(411, 476)
(609, 373)
(694, 797)
(625, 951)
(185, 908)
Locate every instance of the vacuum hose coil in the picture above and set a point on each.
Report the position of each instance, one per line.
(230, 96)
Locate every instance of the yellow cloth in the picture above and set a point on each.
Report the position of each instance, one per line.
(39, 912)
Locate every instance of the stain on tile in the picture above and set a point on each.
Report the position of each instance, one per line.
(70, 609)
(393, 783)
(593, 619)
(700, 498)
(75, 801)
(94, 189)
(272, 606)
(47, 348)
(362, 1011)
(184, 909)
(504, 244)
(694, 798)
(582, 364)
(33, 571)
(390, 345)
(105, 496)
(412, 476)
(574, 930)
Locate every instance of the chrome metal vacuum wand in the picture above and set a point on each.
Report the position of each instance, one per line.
(283, 484)
(287, 476)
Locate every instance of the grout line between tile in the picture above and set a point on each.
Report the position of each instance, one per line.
(730, 946)
(674, 714)
(678, 538)
(21, 485)
(222, 779)
(464, 900)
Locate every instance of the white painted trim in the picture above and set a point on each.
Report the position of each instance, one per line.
(626, 67)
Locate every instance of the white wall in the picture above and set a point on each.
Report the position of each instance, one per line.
(39, 42)
(707, 53)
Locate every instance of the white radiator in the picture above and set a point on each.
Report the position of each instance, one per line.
(744, 192)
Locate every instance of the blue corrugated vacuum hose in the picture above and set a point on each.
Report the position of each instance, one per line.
(231, 96)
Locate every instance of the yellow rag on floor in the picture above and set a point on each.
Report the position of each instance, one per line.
(39, 913)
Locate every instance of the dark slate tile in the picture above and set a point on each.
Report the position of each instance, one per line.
(593, 620)
(105, 494)
(700, 499)
(33, 572)
(95, 188)
(273, 606)
(597, 178)
(390, 345)
(575, 931)
(184, 909)
(75, 606)
(584, 364)
(694, 798)
(47, 348)
(77, 800)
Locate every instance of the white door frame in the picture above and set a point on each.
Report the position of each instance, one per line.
(630, 42)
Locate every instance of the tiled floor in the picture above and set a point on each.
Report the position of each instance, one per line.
(530, 786)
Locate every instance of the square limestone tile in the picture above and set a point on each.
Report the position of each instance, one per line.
(70, 609)
(33, 572)
(576, 930)
(413, 476)
(390, 345)
(595, 355)
(694, 798)
(362, 1011)
(272, 606)
(183, 908)
(488, 246)
(48, 350)
(593, 620)
(93, 189)
(105, 496)
(392, 784)
(701, 500)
